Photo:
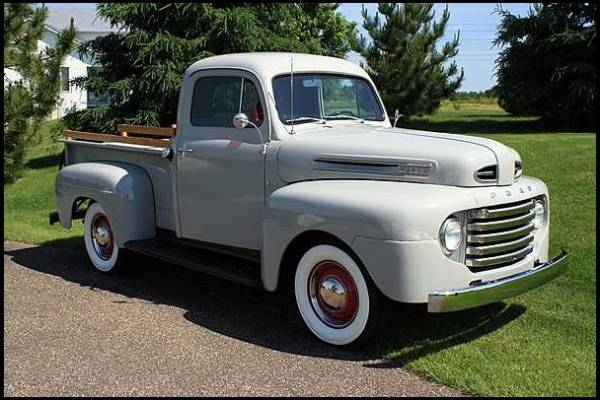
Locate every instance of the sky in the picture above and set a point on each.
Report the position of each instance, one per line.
(476, 22)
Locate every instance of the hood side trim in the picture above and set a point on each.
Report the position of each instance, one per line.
(413, 168)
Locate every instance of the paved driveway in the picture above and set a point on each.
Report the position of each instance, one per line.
(163, 330)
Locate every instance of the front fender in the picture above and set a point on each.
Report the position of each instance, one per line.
(349, 208)
(123, 190)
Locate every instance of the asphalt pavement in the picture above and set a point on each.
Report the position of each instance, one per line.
(162, 330)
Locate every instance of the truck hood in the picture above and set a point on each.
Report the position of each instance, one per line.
(361, 151)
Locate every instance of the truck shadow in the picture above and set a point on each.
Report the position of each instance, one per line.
(258, 317)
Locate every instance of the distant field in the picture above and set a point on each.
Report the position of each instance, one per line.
(541, 344)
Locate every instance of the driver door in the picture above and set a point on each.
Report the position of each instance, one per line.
(220, 169)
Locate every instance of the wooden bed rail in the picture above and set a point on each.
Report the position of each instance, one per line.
(125, 129)
(123, 135)
(103, 137)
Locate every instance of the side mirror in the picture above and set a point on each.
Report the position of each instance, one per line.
(240, 120)
(397, 116)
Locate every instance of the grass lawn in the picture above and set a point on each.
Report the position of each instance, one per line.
(541, 343)
(28, 201)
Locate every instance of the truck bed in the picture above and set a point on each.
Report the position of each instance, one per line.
(142, 151)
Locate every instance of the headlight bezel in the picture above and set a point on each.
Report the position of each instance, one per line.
(455, 224)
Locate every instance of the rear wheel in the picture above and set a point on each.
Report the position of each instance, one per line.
(100, 240)
(336, 300)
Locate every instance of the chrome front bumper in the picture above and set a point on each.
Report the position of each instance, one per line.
(490, 292)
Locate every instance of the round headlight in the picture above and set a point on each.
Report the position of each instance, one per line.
(451, 235)
(540, 212)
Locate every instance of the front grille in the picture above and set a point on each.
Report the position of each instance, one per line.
(499, 235)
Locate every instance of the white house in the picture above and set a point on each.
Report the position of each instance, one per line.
(88, 26)
(10, 75)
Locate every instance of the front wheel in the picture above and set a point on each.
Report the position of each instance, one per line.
(336, 301)
(100, 240)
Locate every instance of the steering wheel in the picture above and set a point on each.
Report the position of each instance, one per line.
(343, 112)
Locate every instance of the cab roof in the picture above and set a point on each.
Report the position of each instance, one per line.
(266, 65)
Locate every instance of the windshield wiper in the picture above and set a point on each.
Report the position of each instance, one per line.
(343, 117)
(305, 119)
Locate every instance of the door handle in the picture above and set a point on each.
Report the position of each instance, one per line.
(181, 151)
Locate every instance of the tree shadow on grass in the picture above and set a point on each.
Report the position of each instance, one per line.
(478, 126)
(259, 317)
(43, 162)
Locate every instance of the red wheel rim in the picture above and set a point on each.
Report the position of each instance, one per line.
(333, 294)
(102, 237)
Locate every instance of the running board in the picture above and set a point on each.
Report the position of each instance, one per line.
(173, 250)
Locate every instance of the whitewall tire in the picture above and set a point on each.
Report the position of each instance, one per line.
(99, 239)
(333, 297)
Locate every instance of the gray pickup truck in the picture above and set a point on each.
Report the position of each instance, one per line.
(284, 172)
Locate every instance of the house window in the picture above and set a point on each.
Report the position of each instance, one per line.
(94, 100)
(64, 79)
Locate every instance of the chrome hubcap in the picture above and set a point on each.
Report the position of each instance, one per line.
(102, 239)
(101, 235)
(333, 294)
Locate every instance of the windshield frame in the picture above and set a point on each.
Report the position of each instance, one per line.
(369, 85)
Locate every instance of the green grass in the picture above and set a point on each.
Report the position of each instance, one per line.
(544, 342)
(541, 343)
(28, 201)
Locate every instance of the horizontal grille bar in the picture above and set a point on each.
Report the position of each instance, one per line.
(500, 259)
(499, 247)
(484, 213)
(500, 224)
(500, 236)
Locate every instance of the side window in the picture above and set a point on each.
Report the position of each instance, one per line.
(215, 101)
(251, 105)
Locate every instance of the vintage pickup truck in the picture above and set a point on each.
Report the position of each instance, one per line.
(284, 172)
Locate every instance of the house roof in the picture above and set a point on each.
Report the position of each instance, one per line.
(85, 20)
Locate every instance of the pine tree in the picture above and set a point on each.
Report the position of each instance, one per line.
(28, 102)
(403, 60)
(548, 65)
(142, 65)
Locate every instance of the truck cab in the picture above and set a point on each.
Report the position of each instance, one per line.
(285, 173)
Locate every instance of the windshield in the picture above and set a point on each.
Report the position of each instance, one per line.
(319, 97)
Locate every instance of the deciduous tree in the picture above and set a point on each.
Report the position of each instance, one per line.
(548, 65)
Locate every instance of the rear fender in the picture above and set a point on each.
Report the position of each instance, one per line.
(123, 190)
